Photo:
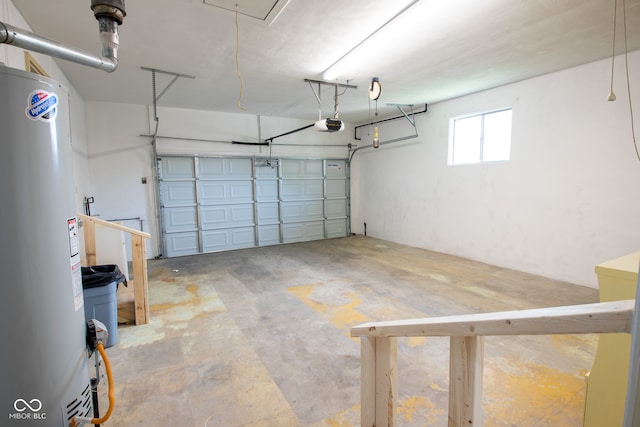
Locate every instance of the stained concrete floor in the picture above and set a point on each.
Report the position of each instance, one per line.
(260, 337)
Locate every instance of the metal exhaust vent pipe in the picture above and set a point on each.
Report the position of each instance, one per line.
(109, 13)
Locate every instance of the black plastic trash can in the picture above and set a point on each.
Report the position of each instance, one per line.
(99, 285)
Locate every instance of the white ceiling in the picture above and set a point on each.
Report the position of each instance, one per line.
(459, 47)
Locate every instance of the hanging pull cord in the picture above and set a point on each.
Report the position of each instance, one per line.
(336, 114)
(238, 74)
(612, 95)
(626, 64)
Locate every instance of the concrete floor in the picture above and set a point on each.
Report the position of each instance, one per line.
(260, 337)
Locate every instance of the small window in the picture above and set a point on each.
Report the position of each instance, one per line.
(481, 138)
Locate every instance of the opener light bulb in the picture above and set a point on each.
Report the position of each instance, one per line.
(376, 139)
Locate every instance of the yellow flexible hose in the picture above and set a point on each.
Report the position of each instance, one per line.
(107, 366)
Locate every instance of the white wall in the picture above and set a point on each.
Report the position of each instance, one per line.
(568, 199)
(14, 57)
(120, 155)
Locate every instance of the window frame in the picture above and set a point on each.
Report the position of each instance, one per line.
(482, 115)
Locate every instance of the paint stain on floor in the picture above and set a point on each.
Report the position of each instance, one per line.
(420, 408)
(411, 410)
(174, 302)
(133, 336)
(339, 307)
(576, 345)
(183, 298)
(347, 418)
(516, 390)
(416, 341)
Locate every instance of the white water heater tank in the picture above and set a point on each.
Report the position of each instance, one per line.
(43, 359)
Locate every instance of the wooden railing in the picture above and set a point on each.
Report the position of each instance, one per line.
(379, 389)
(138, 258)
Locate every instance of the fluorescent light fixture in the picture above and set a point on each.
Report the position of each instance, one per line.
(338, 68)
(275, 12)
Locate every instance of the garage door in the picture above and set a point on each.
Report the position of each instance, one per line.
(213, 204)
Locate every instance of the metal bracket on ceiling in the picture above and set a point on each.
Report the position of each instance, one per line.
(335, 85)
(156, 97)
(175, 77)
(411, 118)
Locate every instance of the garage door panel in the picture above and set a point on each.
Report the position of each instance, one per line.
(213, 168)
(179, 244)
(266, 172)
(225, 191)
(301, 189)
(336, 208)
(180, 219)
(226, 216)
(336, 168)
(210, 167)
(336, 188)
(301, 232)
(219, 240)
(336, 228)
(176, 168)
(302, 211)
(266, 190)
(176, 193)
(268, 235)
(240, 167)
(293, 168)
(268, 213)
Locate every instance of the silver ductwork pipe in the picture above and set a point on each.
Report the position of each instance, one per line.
(109, 14)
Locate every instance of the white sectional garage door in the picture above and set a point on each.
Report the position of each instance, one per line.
(211, 204)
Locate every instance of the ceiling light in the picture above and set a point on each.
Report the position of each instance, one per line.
(376, 138)
(338, 69)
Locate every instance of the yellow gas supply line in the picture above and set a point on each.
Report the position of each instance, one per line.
(79, 421)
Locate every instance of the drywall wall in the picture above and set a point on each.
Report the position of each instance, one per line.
(118, 159)
(568, 199)
(15, 58)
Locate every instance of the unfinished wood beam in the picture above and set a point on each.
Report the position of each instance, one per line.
(386, 381)
(467, 345)
(90, 242)
(368, 382)
(603, 317)
(465, 381)
(140, 284)
(132, 231)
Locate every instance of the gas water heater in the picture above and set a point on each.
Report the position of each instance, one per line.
(43, 357)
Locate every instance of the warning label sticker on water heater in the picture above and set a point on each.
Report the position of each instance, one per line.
(76, 270)
(41, 105)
